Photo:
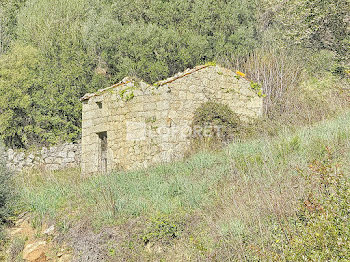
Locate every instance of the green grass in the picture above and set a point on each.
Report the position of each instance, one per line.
(162, 189)
(230, 204)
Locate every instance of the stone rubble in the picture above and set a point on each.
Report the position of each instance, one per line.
(35, 252)
(38, 246)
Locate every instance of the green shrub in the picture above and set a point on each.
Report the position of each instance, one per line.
(322, 229)
(5, 194)
(15, 249)
(162, 228)
(215, 121)
(5, 188)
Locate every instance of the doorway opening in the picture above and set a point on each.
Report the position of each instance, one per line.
(102, 154)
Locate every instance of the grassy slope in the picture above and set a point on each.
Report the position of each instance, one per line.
(224, 205)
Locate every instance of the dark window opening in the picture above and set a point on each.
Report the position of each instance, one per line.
(102, 154)
(99, 104)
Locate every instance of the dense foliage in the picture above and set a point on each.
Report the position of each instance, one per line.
(53, 51)
(319, 25)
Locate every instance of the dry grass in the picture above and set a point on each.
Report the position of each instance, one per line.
(298, 89)
(224, 205)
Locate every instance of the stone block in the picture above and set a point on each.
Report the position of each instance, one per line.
(163, 105)
(52, 167)
(71, 154)
(62, 154)
(49, 160)
(19, 157)
(10, 154)
(182, 95)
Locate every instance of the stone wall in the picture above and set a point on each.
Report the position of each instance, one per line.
(53, 158)
(150, 124)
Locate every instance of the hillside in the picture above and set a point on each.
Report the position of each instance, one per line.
(241, 203)
(253, 141)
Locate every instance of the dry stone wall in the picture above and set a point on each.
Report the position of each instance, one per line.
(53, 158)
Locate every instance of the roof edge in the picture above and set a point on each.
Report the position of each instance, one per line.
(89, 95)
(157, 84)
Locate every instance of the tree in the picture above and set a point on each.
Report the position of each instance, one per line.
(318, 25)
(8, 22)
(44, 74)
(39, 98)
(18, 81)
(155, 39)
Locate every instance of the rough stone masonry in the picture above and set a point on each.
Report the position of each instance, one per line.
(133, 125)
(52, 158)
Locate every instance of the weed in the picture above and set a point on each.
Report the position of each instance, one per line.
(15, 249)
(322, 227)
(162, 228)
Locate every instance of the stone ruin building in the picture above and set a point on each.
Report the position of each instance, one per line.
(133, 125)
